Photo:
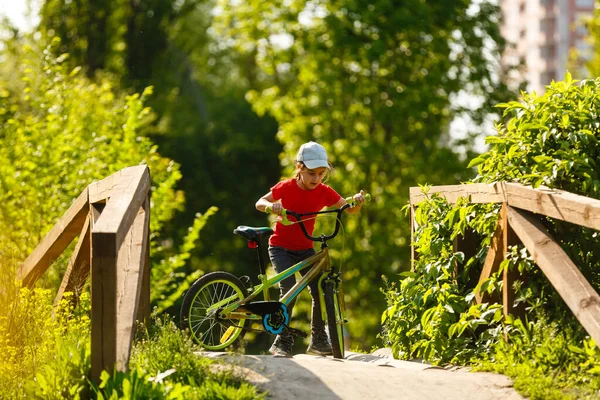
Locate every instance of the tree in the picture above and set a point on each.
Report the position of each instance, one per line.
(550, 139)
(376, 83)
(59, 132)
(593, 26)
(199, 115)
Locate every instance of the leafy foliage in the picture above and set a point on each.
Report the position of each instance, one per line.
(592, 65)
(61, 131)
(53, 146)
(43, 356)
(169, 276)
(551, 140)
(375, 83)
(46, 354)
(164, 366)
(199, 115)
(431, 314)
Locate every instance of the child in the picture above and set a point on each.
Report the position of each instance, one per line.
(303, 193)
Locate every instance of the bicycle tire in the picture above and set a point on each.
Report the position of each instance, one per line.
(209, 330)
(335, 325)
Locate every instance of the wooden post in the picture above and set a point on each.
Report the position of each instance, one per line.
(509, 276)
(118, 254)
(413, 254)
(130, 278)
(104, 294)
(111, 218)
(495, 255)
(143, 315)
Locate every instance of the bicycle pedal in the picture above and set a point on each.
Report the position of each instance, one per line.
(296, 332)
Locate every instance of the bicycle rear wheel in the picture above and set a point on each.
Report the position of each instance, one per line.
(200, 317)
(335, 321)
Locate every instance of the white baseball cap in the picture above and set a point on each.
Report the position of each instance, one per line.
(313, 155)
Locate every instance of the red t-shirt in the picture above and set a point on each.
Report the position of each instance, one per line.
(295, 199)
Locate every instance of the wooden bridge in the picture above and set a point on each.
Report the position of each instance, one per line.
(518, 222)
(111, 220)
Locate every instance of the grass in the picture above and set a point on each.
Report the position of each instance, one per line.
(47, 355)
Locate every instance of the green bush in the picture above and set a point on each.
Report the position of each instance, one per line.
(164, 366)
(46, 355)
(45, 352)
(59, 132)
(549, 140)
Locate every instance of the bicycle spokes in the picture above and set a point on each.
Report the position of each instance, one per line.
(202, 310)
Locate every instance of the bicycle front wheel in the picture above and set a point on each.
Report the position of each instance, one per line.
(335, 321)
(200, 317)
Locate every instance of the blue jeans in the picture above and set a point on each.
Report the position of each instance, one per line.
(282, 259)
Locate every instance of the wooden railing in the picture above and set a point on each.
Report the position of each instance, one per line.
(112, 219)
(518, 222)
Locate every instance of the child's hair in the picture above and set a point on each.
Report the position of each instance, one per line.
(300, 166)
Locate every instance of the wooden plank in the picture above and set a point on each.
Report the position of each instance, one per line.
(414, 256)
(103, 190)
(573, 208)
(109, 275)
(78, 268)
(143, 315)
(121, 209)
(509, 276)
(130, 274)
(55, 241)
(104, 279)
(495, 255)
(572, 286)
(476, 193)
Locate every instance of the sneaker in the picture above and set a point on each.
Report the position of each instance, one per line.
(281, 349)
(319, 345)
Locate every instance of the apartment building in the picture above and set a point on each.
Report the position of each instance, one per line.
(542, 34)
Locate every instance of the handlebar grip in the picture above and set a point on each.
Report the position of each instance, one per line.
(284, 218)
(351, 199)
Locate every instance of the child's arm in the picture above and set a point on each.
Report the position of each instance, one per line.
(268, 201)
(359, 199)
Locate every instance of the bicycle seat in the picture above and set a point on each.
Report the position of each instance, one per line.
(250, 233)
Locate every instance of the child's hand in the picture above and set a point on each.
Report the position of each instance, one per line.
(276, 208)
(359, 198)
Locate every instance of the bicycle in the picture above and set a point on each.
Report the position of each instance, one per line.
(217, 306)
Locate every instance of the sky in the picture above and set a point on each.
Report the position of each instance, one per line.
(16, 11)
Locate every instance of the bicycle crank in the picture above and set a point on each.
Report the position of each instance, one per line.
(275, 315)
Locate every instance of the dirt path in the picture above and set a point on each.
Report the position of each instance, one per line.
(361, 376)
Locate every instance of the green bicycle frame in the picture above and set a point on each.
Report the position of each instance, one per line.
(318, 262)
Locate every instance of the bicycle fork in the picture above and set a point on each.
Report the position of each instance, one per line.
(336, 280)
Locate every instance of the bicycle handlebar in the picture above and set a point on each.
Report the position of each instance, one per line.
(285, 221)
